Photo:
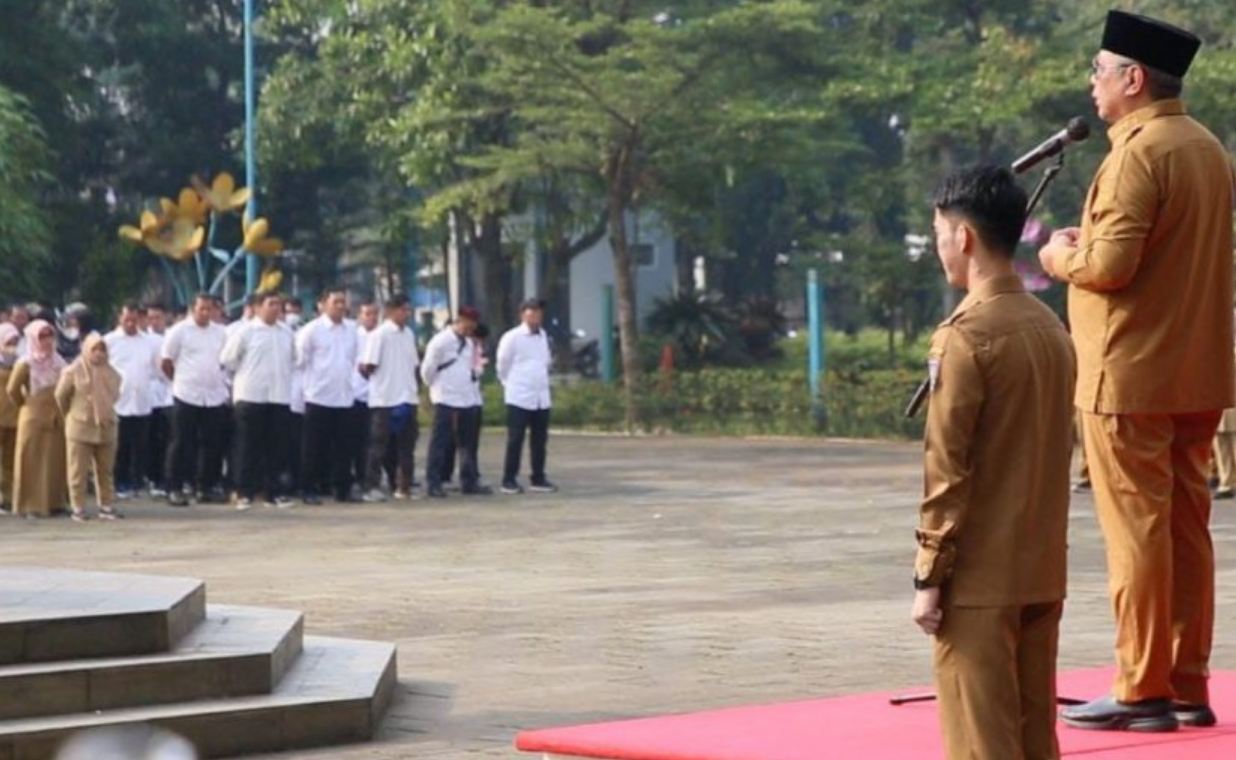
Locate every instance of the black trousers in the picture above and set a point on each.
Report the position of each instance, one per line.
(359, 421)
(156, 457)
(291, 474)
(326, 450)
(520, 422)
(131, 452)
(453, 434)
(261, 447)
(194, 456)
(470, 434)
(382, 438)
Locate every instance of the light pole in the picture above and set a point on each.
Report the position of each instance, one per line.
(251, 264)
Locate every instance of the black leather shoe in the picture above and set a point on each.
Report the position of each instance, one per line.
(1198, 716)
(477, 491)
(1108, 714)
(436, 492)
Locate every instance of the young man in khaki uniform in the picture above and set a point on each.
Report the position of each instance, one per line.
(990, 570)
(1151, 310)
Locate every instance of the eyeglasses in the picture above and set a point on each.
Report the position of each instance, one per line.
(1097, 69)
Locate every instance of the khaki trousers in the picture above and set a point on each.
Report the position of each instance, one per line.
(1153, 503)
(1083, 467)
(102, 458)
(8, 457)
(996, 680)
(1225, 459)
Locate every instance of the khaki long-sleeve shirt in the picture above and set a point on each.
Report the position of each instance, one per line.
(1151, 299)
(999, 439)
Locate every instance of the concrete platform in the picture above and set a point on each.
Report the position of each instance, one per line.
(335, 693)
(48, 615)
(236, 651)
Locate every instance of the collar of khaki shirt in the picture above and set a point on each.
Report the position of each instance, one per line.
(1009, 283)
(1129, 125)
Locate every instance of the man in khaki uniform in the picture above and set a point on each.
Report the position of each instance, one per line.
(990, 570)
(1151, 309)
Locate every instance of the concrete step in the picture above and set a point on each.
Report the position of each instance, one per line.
(48, 615)
(236, 651)
(335, 693)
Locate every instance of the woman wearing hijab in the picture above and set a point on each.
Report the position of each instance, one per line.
(87, 394)
(40, 486)
(10, 338)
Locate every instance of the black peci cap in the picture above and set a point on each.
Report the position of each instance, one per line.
(1150, 42)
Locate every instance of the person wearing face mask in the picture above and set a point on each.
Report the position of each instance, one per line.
(40, 485)
(87, 393)
(9, 337)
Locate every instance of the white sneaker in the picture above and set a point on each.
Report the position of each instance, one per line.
(243, 504)
(373, 496)
(283, 502)
(402, 496)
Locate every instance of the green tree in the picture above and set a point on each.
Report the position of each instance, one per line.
(24, 176)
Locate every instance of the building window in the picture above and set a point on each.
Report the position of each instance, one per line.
(644, 254)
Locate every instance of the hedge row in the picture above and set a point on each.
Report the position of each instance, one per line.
(867, 404)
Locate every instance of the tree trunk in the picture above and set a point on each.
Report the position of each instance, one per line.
(557, 296)
(628, 322)
(499, 301)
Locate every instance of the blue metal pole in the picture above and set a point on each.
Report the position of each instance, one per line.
(815, 336)
(606, 339)
(252, 267)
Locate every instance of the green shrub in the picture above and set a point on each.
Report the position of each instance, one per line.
(740, 402)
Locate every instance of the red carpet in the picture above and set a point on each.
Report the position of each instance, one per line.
(866, 727)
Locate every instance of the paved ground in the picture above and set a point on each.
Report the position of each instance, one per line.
(671, 574)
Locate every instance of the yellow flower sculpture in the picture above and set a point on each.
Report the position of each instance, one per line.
(271, 278)
(150, 228)
(256, 240)
(222, 194)
(179, 240)
(170, 235)
(191, 206)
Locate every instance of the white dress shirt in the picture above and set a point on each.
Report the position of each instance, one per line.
(262, 357)
(524, 360)
(392, 350)
(326, 352)
(161, 387)
(198, 378)
(137, 361)
(447, 369)
(360, 385)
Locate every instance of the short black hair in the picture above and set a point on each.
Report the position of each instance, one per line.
(989, 198)
(155, 306)
(397, 301)
(331, 290)
(208, 298)
(133, 308)
(532, 304)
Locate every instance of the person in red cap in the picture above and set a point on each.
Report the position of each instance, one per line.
(1150, 305)
(449, 371)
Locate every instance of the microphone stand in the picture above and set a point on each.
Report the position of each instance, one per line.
(924, 388)
(920, 395)
(1048, 176)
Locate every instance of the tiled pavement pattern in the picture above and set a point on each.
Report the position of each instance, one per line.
(670, 574)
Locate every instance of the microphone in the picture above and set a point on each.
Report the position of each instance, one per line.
(1077, 130)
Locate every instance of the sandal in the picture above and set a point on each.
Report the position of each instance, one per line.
(109, 513)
